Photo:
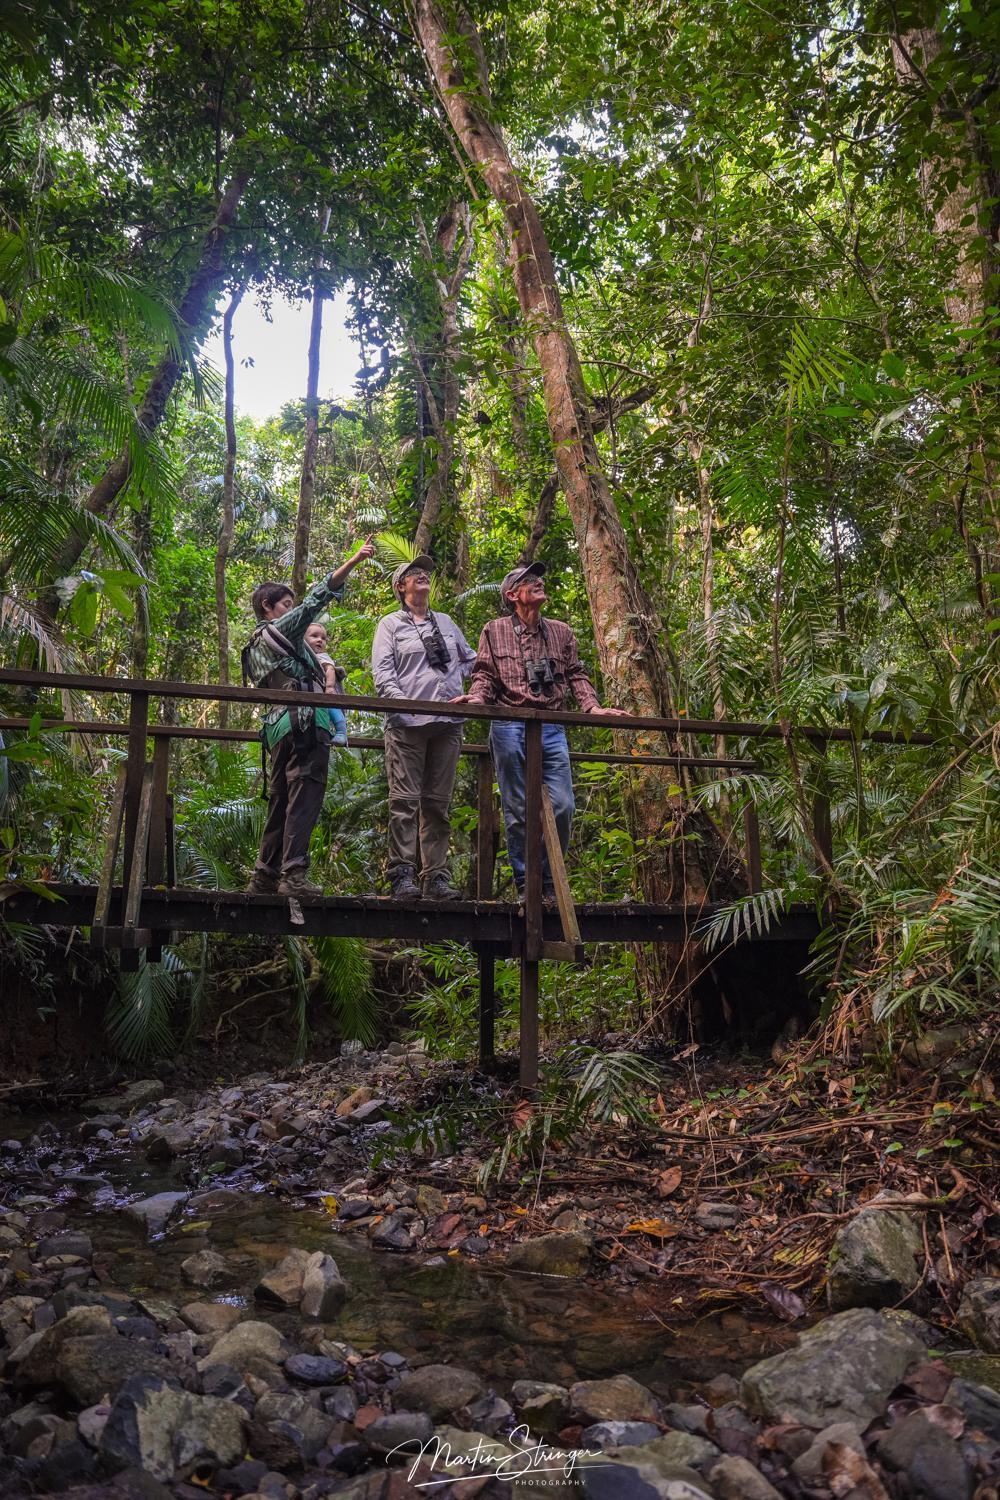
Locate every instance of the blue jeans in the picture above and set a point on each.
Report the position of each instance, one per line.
(507, 747)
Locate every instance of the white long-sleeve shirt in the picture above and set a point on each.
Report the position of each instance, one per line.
(401, 668)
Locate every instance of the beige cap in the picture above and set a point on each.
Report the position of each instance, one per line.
(422, 560)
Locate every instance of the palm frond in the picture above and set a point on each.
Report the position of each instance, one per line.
(140, 1015)
(346, 982)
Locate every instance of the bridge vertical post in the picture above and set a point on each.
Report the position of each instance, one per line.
(532, 950)
(156, 855)
(138, 724)
(484, 892)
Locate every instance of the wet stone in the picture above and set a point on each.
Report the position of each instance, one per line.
(602, 1435)
(67, 1242)
(155, 1213)
(207, 1268)
(618, 1399)
(315, 1369)
(398, 1428)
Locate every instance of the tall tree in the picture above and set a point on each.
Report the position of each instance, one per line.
(446, 263)
(225, 542)
(673, 866)
(310, 446)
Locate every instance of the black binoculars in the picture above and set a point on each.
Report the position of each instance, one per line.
(538, 671)
(436, 650)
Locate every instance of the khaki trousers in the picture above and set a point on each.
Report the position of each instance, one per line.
(421, 763)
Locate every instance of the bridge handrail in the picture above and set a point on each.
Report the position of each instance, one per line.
(231, 693)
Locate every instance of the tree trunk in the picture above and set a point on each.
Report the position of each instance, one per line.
(448, 264)
(951, 193)
(307, 478)
(194, 313)
(626, 628)
(225, 541)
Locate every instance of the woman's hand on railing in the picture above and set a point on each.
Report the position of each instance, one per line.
(461, 698)
(618, 713)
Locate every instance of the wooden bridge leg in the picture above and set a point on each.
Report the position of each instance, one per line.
(532, 949)
(98, 928)
(485, 861)
(138, 720)
(156, 855)
(134, 938)
(529, 1024)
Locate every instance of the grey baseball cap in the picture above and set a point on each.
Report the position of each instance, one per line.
(422, 560)
(518, 575)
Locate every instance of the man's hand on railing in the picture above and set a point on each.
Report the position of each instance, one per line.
(618, 713)
(462, 698)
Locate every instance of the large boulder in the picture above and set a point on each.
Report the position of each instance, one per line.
(873, 1262)
(558, 1254)
(843, 1370)
(979, 1313)
(170, 1433)
(249, 1347)
(137, 1095)
(95, 1366)
(155, 1213)
(735, 1478)
(439, 1390)
(636, 1474)
(282, 1286)
(618, 1399)
(324, 1290)
(931, 1459)
(35, 1360)
(540, 1405)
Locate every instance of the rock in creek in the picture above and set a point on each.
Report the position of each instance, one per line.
(207, 1269)
(843, 1370)
(170, 1433)
(324, 1291)
(559, 1254)
(618, 1399)
(282, 1286)
(155, 1213)
(874, 1260)
(439, 1390)
(979, 1313)
(248, 1347)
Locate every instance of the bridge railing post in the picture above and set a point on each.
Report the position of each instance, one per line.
(532, 948)
(485, 860)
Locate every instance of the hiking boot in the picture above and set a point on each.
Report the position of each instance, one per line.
(549, 896)
(262, 883)
(295, 882)
(439, 888)
(403, 885)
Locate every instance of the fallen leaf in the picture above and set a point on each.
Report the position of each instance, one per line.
(668, 1182)
(658, 1228)
(930, 1380)
(848, 1474)
(522, 1114)
(786, 1304)
(948, 1417)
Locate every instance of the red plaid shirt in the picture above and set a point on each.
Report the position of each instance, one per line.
(499, 676)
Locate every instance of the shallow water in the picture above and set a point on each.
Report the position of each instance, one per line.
(442, 1308)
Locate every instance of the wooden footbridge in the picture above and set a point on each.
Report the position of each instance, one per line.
(141, 909)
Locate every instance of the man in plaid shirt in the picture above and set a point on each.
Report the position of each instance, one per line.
(524, 660)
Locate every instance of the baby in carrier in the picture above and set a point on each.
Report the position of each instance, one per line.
(317, 639)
